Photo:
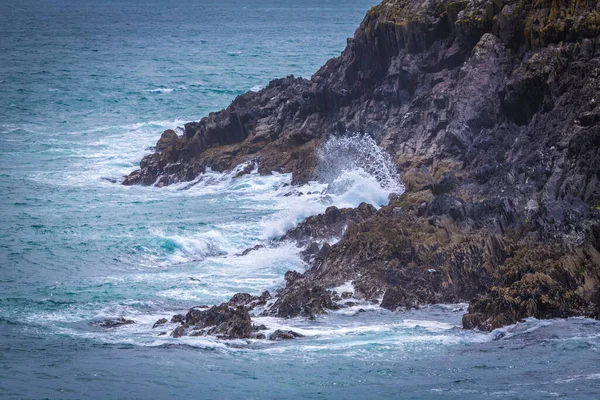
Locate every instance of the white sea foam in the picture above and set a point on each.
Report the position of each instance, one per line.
(161, 90)
(352, 169)
(520, 328)
(345, 287)
(108, 153)
(167, 90)
(342, 155)
(201, 245)
(214, 249)
(256, 88)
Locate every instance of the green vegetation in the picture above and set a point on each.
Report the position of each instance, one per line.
(545, 21)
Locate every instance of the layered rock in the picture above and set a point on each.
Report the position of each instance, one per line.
(491, 110)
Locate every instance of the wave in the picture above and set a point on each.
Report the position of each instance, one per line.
(167, 90)
(342, 156)
(164, 250)
(533, 329)
(102, 155)
(352, 169)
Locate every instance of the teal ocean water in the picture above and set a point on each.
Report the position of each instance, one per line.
(86, 88)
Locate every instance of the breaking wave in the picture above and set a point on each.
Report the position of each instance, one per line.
(345, 161)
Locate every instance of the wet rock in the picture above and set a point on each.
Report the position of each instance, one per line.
(328, 225)
(240, 299)
(491, 114)
(178, 332)
(249, 301)
(589, 118)
(114, 322)
(305, 302)
(222, 321)
(534, 284)
(416, 179)
(178, 319)
(167, 139)
(160, 322)
(246, 170)
(257, 247)
(395, 298)
(291, 276)
(260, 327)
(284, 335)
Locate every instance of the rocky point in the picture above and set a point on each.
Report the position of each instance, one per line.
(491, 112)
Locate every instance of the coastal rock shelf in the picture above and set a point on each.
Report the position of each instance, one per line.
(490, 110)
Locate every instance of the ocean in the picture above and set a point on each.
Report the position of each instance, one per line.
(86, 88)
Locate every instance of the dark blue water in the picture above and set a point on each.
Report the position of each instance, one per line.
(86, 88)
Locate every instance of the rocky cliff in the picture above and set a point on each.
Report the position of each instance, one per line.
(491, 110)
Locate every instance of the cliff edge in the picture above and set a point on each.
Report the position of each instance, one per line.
(491, 110)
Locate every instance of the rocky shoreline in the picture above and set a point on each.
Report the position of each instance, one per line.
(491, 112)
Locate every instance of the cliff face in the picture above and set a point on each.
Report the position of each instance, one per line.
(492, 112)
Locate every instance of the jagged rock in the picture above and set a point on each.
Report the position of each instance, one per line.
(222, 321)
(178, 319)
(257, 247)
(304, 301)
(249, 301)
(395, 298)
(160, 322)
(534, 283)
(167, 139)
(260, 327)
(114, 322)
(328, 225)
(240, 299)
(291, 276)
(490, 109)
(178, 332)
(284, 335)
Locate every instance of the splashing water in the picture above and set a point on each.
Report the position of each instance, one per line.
(355, 163)
(82, 100)
(352, 169)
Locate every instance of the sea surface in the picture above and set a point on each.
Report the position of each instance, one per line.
(86, 88)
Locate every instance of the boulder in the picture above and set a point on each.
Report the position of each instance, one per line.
(160, 322)
(114, 322)
(222, 321)
(178, 319)
(284, 335)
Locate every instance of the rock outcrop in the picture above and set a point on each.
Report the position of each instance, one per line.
(113, 322)
(491, 110)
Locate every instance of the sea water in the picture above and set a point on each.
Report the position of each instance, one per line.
(86, 88)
